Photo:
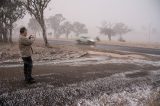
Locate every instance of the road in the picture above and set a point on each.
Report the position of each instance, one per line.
(112, 47)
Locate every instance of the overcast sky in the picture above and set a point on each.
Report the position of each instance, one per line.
(135, 13)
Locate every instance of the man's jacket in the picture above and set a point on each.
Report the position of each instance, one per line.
(25, 46)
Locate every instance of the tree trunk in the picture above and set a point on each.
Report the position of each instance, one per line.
(109, 37)
(5, 38)
(57, 37)
(10, 36)
(67, 35)
(44, 36)
(42, 23)
(1, 37)
(55, 34)
(120, 37)
(1, 34)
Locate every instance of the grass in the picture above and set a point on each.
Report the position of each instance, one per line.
(154, 100)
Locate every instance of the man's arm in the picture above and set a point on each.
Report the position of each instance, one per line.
(26, 41)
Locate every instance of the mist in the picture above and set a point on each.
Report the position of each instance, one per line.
(79, 53)
(138, 15)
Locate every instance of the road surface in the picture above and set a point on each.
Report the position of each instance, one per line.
(111, 47)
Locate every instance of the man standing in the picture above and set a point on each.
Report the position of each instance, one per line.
(26, 51)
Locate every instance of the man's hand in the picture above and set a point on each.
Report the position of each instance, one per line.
(31, 37)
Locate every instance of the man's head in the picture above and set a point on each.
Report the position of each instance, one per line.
(23, 31)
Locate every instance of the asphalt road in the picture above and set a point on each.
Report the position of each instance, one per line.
(112, 47)
(130, 49)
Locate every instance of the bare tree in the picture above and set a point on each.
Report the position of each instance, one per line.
(121, 28)
(36, 8)
(107, 29)
(55, 23)
(67, 28)
(79, 28)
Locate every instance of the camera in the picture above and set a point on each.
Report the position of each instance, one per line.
(31, 36)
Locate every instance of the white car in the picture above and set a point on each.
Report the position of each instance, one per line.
(86, 41)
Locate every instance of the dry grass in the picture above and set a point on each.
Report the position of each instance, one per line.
(41, 52)
(133, 44)
(154, 100)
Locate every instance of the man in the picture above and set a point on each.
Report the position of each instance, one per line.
(26, 51)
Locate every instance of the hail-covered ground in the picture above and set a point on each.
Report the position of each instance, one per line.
(96, 79)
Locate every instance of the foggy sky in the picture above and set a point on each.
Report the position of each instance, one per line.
(135, 13)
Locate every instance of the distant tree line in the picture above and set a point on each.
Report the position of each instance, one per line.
(60, 26)
(109, 29)
(12, 10)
